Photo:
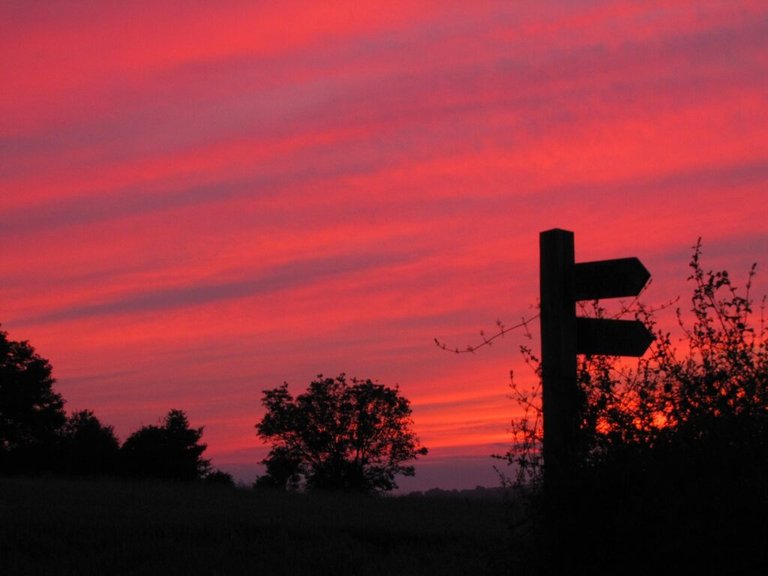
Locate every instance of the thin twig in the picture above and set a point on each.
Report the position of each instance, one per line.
(487, 341)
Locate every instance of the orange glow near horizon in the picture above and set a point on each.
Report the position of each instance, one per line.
(198, 202)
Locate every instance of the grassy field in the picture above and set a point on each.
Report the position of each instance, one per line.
(69, 527)
(54, 526)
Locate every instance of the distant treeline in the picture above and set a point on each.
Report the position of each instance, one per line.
(476, 493)
(37, 436)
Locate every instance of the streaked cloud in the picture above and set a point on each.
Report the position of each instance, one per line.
(200, 201)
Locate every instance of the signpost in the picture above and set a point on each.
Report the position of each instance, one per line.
(611, 337)
(563, 282)
(610, 279)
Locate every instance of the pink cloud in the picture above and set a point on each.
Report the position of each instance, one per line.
(200, 202)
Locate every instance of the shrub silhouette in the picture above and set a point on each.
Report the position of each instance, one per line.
(711, 396)
(219, 478)
(31, 411)
(673, 454)
(284, 470)
(86, 447)
(170, 451)
(339, 435)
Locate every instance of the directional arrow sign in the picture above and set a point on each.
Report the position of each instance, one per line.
(600, 336)
(563, 282)
(609, 278)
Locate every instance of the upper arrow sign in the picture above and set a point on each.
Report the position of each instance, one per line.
(609, 278)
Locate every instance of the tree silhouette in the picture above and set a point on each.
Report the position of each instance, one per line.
(340, 435)
(86, 447)
(171, 451)
(284, 469)
(219, 478)
(30, 411)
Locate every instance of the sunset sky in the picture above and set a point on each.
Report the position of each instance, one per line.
(201, 200)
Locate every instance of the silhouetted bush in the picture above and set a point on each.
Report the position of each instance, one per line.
(171, 451)
(86, 447)
(672, 455)
(284, 470)
(219, 478)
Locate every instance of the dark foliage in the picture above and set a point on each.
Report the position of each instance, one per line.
(673, 454)
(708, 398)
(219, 478)
(36, 436)
(86, 447)
(284, 470)
(170, 451)
(340, 435)
(30, 411)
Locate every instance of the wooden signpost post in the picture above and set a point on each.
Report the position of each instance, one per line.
(563, 282)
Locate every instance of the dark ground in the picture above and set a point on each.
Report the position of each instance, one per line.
(55, 526)
(82, 527)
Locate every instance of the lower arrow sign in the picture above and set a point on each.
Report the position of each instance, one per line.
(600, 336)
